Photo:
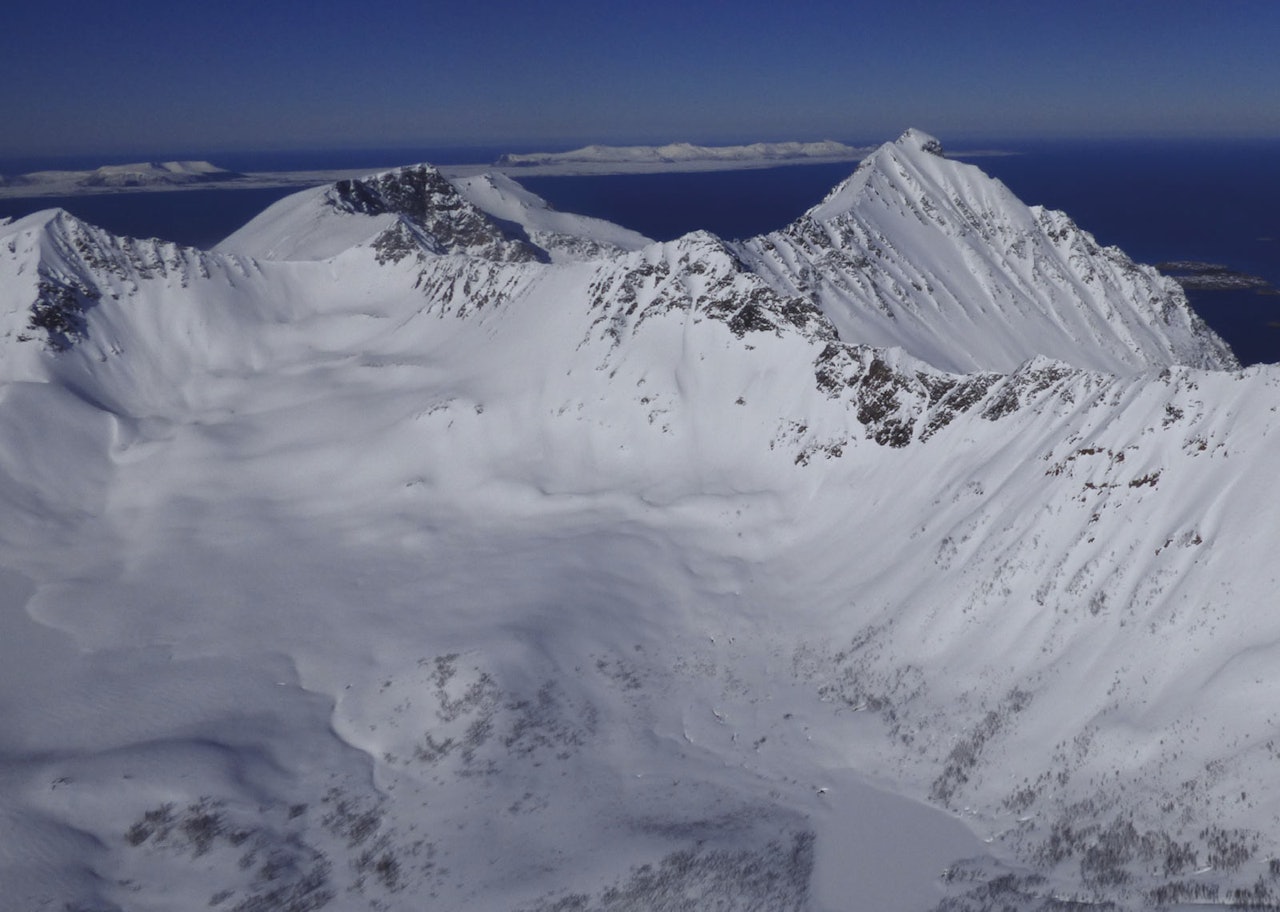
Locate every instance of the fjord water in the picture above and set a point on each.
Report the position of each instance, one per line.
(1216, 202)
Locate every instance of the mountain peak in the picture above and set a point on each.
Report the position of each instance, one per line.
(416, 211)
(409, 211)
(928, 253)
(918, 140)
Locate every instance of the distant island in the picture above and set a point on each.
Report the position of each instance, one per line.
(130, 176)
(601, 159)
(154, 176)
(1203, 276)
(594, 159)
(140, 177)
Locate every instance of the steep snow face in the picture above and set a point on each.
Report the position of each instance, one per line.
(931, 255)
(604, 583)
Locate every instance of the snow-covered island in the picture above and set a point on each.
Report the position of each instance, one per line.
(602, 159)
(596, 159)
(421, 546)
(141, 177)
(1213, 277)
(130, 176)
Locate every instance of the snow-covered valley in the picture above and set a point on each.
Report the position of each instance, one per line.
(424, 547)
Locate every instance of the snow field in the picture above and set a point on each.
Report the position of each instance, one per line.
(354, 577)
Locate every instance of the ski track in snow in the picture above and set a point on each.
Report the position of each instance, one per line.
(422, 546)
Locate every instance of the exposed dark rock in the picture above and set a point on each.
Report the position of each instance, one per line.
(432, 218)
(750, 318)
(58, 311)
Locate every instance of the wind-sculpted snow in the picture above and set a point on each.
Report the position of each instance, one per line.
(483, 577)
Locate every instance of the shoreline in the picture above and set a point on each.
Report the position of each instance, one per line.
(266, 180)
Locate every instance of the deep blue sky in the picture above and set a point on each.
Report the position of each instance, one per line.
(149, 77)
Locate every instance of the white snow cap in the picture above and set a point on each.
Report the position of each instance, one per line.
(920, 140)
(930, 254)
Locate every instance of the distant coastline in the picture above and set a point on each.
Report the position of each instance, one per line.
(597, 160)
(67, 184)
(601, 159)
(81, 183)
(1214, 277)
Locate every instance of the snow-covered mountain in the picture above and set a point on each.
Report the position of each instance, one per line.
(416, 210)
(931, 255)
(423, 545)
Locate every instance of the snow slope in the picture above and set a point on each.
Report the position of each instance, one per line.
(414, 564)
(397, 211)
(562, 234)
(918, 251)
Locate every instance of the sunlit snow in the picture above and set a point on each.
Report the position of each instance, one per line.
(423, 547)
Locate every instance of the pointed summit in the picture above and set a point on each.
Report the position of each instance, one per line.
(915, 159)
(930, 254)
(920, 141)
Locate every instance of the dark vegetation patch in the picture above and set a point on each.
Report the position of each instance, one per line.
(700, 878)
(269, 861)
(965, 754)
(280, 872)
(483, 729)
(1008, 892)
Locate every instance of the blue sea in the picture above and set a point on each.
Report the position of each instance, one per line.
(1214, 202)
